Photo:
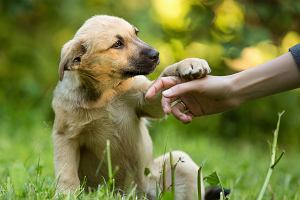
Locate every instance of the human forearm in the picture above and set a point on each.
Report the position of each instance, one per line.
(275, 76)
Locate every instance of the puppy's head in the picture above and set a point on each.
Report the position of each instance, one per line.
(107, 49)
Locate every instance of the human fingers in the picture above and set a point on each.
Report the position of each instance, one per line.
(178, 89)
(161, 84)
(166, 104)
(181, 112)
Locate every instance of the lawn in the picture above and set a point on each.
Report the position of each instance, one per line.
(26, 168)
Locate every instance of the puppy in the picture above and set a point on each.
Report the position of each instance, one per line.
(100, 97)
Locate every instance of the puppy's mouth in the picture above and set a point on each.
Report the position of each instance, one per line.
(142, 68)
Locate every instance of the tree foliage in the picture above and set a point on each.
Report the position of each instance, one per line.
(232, 35)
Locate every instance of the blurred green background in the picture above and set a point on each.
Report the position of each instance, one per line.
(231, 35)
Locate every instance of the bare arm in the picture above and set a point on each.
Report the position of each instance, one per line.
(275, 76)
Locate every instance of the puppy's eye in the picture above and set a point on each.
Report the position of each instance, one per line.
(119, 44)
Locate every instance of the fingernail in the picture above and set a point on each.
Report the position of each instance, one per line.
(148, 95)
(167, 93)
(166, 111)
(188, 118)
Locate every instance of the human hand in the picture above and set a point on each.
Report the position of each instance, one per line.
(205, 96)
(214, 94)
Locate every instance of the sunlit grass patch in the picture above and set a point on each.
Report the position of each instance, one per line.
(26, 167)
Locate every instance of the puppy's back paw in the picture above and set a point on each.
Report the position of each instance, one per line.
(213, 193)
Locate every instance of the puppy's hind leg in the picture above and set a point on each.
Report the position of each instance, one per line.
(186, 172)
(185, 176)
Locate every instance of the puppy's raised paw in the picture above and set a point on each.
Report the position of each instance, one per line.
(193, 68)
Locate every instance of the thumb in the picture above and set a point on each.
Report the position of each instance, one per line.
(177, 90)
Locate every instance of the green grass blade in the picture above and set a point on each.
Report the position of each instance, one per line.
(109, 166)
(172, 166)
(273, 159)
(200, 184)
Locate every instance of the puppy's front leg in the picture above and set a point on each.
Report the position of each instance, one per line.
(145, 108)
(66, 158)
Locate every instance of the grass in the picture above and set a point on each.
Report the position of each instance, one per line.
(274, 160)
(26, 167)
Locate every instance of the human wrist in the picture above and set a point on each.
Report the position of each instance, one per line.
(234, 90)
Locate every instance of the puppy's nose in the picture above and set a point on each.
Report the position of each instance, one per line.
(151, 54)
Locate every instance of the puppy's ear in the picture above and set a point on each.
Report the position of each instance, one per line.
(71, 55)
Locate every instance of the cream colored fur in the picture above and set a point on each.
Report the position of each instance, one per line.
(82, 127)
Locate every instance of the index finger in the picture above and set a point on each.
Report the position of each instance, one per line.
(160, 84)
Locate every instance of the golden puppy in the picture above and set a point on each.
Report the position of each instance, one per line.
(100, 97)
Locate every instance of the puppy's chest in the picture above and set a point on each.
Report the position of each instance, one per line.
(117, 122)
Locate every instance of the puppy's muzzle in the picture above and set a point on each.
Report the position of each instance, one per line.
(144, 63)
(152, 55)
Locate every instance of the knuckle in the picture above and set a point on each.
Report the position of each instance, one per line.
(176, 88)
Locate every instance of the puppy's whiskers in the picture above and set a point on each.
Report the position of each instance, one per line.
(89, 75)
